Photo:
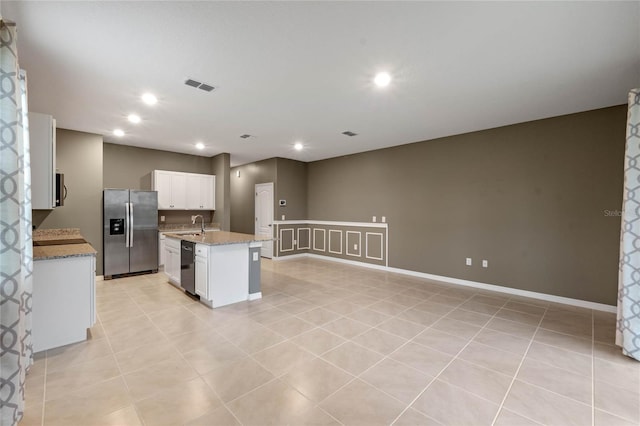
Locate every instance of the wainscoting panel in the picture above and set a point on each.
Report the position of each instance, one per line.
(286, 239)
(319, 236)
(375, 245)
(335, 241)
(355, 241)
(304, 238)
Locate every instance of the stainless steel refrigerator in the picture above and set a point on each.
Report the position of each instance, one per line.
(130, 231)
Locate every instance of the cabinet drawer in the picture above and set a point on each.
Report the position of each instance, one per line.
(202, 250)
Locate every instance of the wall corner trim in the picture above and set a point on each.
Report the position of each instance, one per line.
(457, 281)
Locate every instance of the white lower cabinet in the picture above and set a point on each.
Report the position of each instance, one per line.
(63, 301)
(202, 271)
(172, 260)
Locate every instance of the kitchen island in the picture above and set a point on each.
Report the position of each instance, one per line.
(227, 265)
(64, 294)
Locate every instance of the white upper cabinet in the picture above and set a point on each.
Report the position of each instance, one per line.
(42, 138)
(200, 192)
(184, 191)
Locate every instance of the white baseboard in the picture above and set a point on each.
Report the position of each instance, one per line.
(255, 296)
(467, 283)
(292, 256)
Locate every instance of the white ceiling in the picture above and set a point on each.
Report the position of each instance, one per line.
(301, 71)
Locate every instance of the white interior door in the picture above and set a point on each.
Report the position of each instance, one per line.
(264, 216)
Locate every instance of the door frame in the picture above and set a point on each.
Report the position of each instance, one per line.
(267, 247)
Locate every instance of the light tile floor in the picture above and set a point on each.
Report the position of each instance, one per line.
(335, 344)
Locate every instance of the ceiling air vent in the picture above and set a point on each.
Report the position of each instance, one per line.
(199, 85)
(349, 133)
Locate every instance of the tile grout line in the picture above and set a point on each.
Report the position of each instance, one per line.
(524, 356)
(450, 361)
(187, 362)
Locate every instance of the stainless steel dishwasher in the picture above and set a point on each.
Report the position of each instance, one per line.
(187, 267)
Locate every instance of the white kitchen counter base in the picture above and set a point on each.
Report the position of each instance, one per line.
(63, 301)
(227, 266)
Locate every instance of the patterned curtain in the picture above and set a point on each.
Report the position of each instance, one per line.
(16, 252)
(628, 329)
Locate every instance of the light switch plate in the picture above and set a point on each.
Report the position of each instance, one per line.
(374, 219)
(255, 256)
(283, 217)
(485, 263)
(468, 261)
(384, 219)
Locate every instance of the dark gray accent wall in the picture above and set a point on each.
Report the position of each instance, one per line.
(530, 198)
(79, 157)
(220, 166)
(242, 191)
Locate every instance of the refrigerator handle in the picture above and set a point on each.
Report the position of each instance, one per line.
(130, 224)
(127, 225)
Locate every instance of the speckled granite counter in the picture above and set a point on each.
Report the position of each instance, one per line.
(216, 238)
(60, 251)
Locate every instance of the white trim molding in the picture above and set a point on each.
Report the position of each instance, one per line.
(329, 245)
(308, 239)
(324, 239)
(366, 245)
(359, 243)
(332, 223)
(292, 239)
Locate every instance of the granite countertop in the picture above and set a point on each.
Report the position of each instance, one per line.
(215, 238)
(61, 250)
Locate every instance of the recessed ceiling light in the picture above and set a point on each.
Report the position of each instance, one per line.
(200, 145)
(382, 79)
(118, 132)
(298, 146)
(134, 118)
(149, 99)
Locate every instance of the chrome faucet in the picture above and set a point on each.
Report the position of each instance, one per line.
(194, 221)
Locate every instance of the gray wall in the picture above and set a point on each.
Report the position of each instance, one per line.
(291, 185)
(289, 179)
(529, 198)
(130, 167)
(220, 166)
(242, 192)
(79, 157)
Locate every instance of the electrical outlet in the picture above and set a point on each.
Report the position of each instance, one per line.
(384, 219)
(469, 261)
(161, 218)
(282, 217)
(255, 256)
(374, 219)
(355, 247)
(485, 263)
(295, 243)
